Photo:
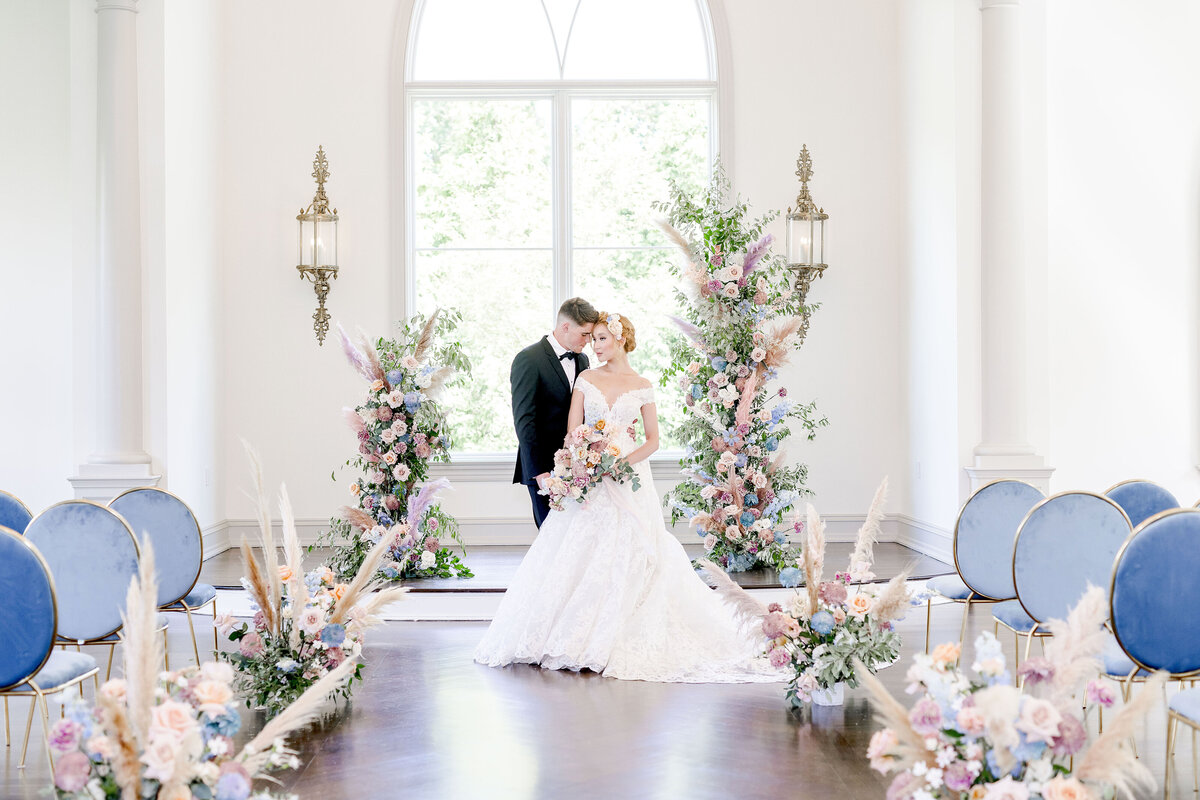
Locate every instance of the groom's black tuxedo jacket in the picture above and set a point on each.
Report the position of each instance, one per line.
(541, 400)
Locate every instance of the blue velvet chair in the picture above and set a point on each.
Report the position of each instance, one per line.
(178, 550)
(93, 556)
(1141, 499)
(1155, 605)
(14, 514)
(29, 664)
(1066, 543)
(983, 541)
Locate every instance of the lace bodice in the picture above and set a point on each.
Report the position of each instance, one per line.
(621, 414)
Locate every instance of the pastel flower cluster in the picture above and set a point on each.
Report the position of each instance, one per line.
(982, 738)
(822, 646)
(276, 666)
(188, 752)
(588, 457)
(743, 320)
(401, 429)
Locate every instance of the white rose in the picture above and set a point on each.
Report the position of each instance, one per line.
(708, 492)
(388, 435)
(424, 381)
(720, 380)
(399, 426)
(428, 560)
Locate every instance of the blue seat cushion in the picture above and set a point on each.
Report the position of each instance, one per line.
(1013, 615)
(951, 586)
(160, 621)
(1186, 703)
(63, 666)
(1115, 662)
(200, 594)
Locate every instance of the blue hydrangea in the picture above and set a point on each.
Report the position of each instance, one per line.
(697, 391)
(288, 665)
(789, 576)
(750, 500)
(412, 401)
(394, 377)
(719, 363)
(227, 724)
(333, 634)
(741, 562)
(780, 537)
(771, 444)
(822, 623)
(741, 460)
(747, 519)
(390, 572)
(780, 410)
(232, 786)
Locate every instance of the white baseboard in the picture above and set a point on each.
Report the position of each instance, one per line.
(923, 537)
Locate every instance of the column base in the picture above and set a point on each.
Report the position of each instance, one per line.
(103, 482)
(995, 463)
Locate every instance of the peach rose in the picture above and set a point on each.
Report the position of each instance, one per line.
(880, 750)
(971, 721)
(946, 653)
(173, 718)
(212, 696)
(1061, 787)
(860, 604)
(216, 671)
(114, 689)
(285, 573)
(159, 758)
(339, 591)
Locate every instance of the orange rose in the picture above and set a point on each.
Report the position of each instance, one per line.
(599, 425)
(860, 604)
(285, 573)
(339, 590)
(946, 653)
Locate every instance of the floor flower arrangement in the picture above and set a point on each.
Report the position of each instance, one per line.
(401, 429)
(979, 737)
(169, 735)
(742, 322)
(307, 624)
(833, 630)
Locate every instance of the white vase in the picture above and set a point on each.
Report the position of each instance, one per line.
(833, 696)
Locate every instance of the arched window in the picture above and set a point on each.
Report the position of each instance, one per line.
(537, 134)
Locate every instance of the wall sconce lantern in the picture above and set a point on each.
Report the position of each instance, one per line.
(805, 231)
(318, 245)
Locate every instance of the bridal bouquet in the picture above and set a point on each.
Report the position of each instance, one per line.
(307, 625)
(743, 320)
(169, 735)
(981, 737)
(588, 457)
(401, 429)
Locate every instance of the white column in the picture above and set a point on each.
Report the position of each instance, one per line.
(118, 459)
(1005, 450)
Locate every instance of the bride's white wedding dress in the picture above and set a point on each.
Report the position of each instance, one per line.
(606, 587)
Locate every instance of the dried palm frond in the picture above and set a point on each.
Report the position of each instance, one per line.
(371, 605)
(294, 558)
(688, 329)
(814, 558)
(362, 579)
(780, 335)
(426, 338)
(893, 602)
(357, 517)
(267, 533)
(256, 753)
(437, 381)
(742, 415)
(868, 534)
(755, 253)
(748, 611)
(420, 504)
(353, 420)
(142, 645)
(126, 760)
(256, 584)
(1075, 647)
(910, 745)
(777, 462)
(357, 358)
(677, 238)
(702, 520)
(1109, 760)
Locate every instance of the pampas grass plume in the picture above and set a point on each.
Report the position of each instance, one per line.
(1109, 760)
(748, 611)
(868, 534)
(814, 558)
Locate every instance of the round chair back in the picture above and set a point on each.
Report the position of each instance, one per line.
(174, 532)
(27, 597)
(1066, 543)
(1155, 595)
(14, 514)
(1141, 499)
(984, 532)
(92, 556)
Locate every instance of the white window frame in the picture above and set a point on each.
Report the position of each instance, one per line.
(498, 466)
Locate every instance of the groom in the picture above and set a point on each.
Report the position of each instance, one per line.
(542, 377)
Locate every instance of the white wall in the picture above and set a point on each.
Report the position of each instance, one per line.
(1124, 242)
(36, 321)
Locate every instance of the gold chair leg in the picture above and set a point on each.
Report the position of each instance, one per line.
(166, 653)
(1195, 770)
(28, 728)
(1170, 757)
(1101, 712)
(7, 735)
(46, 729)
(217, 645)
(108, 670)
(192, 628)
(928, 612)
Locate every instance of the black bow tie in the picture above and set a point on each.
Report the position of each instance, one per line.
(571, 354)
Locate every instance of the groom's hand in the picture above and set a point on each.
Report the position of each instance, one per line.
(541, 480)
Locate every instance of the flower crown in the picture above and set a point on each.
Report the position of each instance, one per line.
(613, 322)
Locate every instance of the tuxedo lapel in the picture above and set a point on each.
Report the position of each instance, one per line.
(555, 366)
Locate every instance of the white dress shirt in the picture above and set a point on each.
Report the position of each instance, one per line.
(567, 364)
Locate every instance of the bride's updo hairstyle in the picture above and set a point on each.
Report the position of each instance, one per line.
(626, 334)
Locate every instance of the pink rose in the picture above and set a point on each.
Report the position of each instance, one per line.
(100, 746)
(159, 758)
(65, 735)
(1071, 736)
(72, 771)
(779, 657)
(424, 451)
(1007, 789)
(251, 645)
(710, 542)
(212, 696)
(970, 721)
(958, 777)
(1100, 692)
(879, 751)
(774, 624)
(431, 524)
(171, 719)
(904, 785)
(926, 717)
(1039, 720)
(1061, 787)
(114, 689)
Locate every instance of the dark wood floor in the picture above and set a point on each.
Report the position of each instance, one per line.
(430, 723)
(495, 566)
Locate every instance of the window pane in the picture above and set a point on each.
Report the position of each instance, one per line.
(637, 284)
(623, 152)
(478, 40)
(636, 39)
(481, 173)
(507, 303)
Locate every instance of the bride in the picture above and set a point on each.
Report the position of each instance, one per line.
(605, 586)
